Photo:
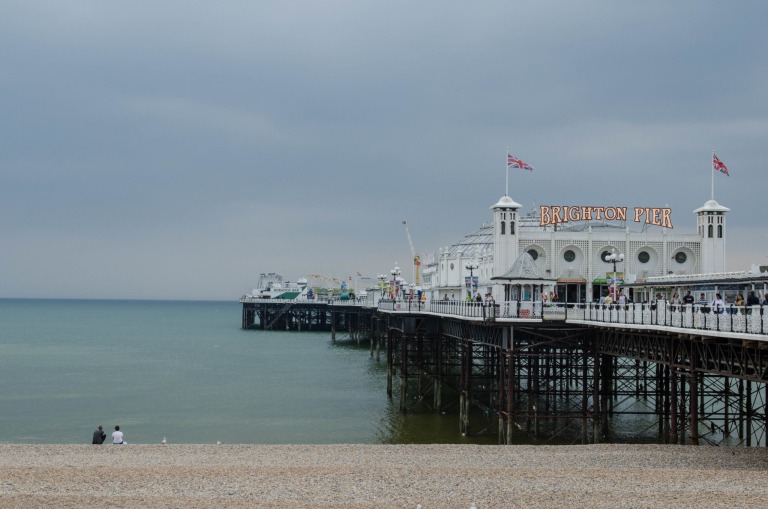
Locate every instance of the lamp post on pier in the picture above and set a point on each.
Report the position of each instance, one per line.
(615, 258)
(395, 272)
(471, 268)
(382, 278)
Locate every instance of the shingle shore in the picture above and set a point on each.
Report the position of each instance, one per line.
(381, 476)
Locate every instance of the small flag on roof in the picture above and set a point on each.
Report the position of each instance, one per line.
(718, 165)
(513, 162)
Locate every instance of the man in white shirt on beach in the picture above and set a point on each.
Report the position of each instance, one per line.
(117, 436)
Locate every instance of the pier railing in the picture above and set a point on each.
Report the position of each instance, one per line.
(330, 302)
(456, 308)
(735, 319)
(738, 319)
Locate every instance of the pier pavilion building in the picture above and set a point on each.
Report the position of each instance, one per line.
(570, 248)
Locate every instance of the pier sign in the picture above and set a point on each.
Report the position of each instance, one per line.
(556, 214)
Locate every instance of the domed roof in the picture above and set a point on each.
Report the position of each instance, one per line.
(712, 206)
(525, 269)
(506, 202)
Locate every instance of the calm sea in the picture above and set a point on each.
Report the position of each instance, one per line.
(186, 371)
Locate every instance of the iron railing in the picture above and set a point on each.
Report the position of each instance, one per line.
(736, 319)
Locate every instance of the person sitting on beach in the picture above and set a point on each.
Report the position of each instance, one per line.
(99, 436)
(117, 436)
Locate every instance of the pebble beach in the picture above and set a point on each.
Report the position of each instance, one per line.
(381, 476)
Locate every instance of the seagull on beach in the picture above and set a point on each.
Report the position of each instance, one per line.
(218, 442)
(164, 441)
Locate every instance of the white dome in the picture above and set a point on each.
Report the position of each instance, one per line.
(506, 202)
(712, 206)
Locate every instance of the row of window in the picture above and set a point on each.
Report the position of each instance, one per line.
(642, 256)
(710, 231)
(511, 227)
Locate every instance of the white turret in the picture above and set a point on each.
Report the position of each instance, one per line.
(505, 216)
(710, 220)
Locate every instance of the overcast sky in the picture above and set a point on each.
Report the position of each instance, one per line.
(177, 149)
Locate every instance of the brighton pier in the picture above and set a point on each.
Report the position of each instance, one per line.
(563, 344)
(560, 370)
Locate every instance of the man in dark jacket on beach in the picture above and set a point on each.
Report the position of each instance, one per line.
(99, 436)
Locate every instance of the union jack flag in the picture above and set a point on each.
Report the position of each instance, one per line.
(513, 162)
(718, 165)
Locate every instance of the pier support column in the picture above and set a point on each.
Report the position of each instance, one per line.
(465, 397)
(596, 436)
(439, 373)
(693, 403)
(403, 372)
(390, 362)
(659, 389)
(749, 413)
(673, 437)
(606, 365)
(511, 396)
(584, 395)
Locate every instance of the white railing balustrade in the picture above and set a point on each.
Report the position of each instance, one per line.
(331, 302)
(738, 319)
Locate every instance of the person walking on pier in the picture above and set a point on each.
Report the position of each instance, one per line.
(675, 302)
(752, 300)
(718, 306)
(703, 304)
(99, 436)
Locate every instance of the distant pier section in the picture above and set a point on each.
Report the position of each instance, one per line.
(302, 315)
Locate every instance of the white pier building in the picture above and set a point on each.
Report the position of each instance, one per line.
(569, 247)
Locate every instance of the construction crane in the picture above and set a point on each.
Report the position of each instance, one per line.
(416, 259)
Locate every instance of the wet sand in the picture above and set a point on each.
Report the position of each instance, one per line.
(381, 476)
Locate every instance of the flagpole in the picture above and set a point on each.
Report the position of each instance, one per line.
(712, 163)
(506, 188)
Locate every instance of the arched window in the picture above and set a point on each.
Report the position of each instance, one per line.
(719, 231)
(709, 230)
(511, 227)
(502, 227)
